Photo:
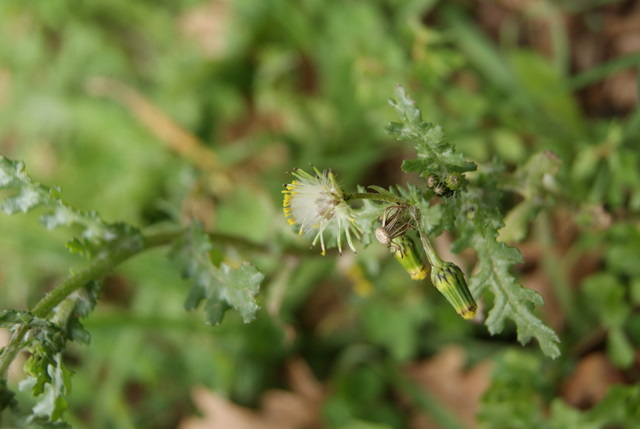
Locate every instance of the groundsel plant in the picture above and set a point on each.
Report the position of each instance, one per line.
(320, 207)
(457, 196)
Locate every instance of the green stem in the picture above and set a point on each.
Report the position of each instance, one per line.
(372, 196)
(96, 270)
(556, 267)
(432, 256)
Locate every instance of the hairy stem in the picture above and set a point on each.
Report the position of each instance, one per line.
(96, 270)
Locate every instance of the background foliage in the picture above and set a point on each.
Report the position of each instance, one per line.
(154, 112)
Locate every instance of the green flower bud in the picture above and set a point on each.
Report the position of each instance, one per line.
(404, 250)
(453, 181)
(449, 280)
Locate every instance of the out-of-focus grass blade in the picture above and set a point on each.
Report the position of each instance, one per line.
(482, 52)
(600, 72)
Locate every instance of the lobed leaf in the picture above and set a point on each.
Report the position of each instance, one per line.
(53, 402)
(220, 287)
(479, 229)
(30, 195)
(474, 214)
(47, 377)
(435, 154)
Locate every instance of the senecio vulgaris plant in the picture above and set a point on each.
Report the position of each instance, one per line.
(404, 219)
(449, 200)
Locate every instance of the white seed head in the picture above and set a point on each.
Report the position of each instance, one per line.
(317, 204)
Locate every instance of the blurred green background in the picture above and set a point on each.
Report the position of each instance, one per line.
(164, 111)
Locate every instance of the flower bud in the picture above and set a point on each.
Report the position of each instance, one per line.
(449, 280)
(404, 250)
(432, 180)
(453, 181)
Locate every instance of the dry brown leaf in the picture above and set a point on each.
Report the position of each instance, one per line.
(296, 409)
(219, 413)
(590, 381)
(445, 377)
(176, 137)
(300, 408)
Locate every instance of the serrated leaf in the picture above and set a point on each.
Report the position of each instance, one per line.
(52, 403)
(26, 200)
(48, 378)
(495, 262)
(11, 172)
(96, 234)
(83, 301)
(475, 215)
(220, 287)
(435, 154)
(43, 330)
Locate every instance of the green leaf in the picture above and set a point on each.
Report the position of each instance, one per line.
(393, 325)
(83, 302)
(382, 191)
(45, 341)
(478, 229)
(473, 212)
(535, 181)
(96, 234)
(53, 402)
(514, 397)
(435, 154)
(620, 408)
(221, 287)
(43, 331)
(619, 348)
(606, 297)
(48, 378)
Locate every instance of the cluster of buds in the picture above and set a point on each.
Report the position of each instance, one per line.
(444, 186)
(396, 221)
(447, 277)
